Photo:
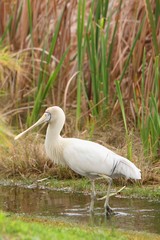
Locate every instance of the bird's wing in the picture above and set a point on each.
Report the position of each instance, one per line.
(89, 158)
(86, 157)
(126, 168)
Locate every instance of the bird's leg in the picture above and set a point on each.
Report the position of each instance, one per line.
(107, 208)
(93, 195)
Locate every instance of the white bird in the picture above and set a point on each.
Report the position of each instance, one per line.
(84, 157)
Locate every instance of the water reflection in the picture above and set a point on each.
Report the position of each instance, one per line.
(133, 214)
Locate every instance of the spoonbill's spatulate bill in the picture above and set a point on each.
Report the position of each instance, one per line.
(86, 158)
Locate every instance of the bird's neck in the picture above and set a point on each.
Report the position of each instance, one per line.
(53, 141)
(54, 145)
(53, 133)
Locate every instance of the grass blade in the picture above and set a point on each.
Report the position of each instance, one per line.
(80, 53)
(153, 26)
(119, 94)
(131, 50)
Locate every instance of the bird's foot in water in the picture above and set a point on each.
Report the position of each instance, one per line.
(109, 211)
(91, 211)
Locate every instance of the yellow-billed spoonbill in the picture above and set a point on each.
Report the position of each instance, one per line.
(86, 158)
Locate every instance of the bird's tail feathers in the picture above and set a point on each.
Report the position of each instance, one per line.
(127, 168)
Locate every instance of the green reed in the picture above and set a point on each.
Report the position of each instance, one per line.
(148, 119)
(122, 106)
(44, 83)
(153, 22)
(99, 51)
(80, 54)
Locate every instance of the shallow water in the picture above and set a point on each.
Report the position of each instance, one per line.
(131, 214)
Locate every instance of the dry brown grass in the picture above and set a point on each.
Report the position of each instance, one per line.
(44, 18)
(27, 159)
(131, 16)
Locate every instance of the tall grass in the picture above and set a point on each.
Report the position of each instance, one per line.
(9, 65)
(128, 137)
(42, 61)
(80, 54)
(147, 111)
(5, 134)
(151, 127)
(113, 45)
(99, 52)
(45, 83)
(43, 91)
(153, 22)
(29, 8)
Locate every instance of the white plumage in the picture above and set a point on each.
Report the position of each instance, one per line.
(86, 158)
(92, 159)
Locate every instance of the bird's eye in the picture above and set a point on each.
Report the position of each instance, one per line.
(48, 116)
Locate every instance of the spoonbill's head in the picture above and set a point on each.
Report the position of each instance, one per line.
(53, 116)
